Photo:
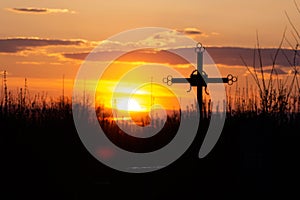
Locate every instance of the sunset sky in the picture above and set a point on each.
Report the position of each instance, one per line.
(44, 40)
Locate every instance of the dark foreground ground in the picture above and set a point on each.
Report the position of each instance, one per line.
(255, 157)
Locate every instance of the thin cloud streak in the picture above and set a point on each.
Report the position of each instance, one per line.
(191, 31)
(228, 56)
(14, 45)
(32, 10)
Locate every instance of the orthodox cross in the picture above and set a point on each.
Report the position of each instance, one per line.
(199, 78)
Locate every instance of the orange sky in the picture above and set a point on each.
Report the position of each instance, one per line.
(44, 40)
(137, 83)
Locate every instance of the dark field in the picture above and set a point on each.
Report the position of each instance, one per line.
(42, 157)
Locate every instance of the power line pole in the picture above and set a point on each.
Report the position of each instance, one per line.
(63, 91)
(5, 92)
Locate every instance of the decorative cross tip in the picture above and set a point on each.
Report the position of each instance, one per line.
(168, 80)
(199, 48)
(231, 79)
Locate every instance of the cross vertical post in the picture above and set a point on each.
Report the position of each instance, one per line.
(199, 87)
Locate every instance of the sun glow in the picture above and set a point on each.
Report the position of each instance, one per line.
(129, 91)
(129, 105)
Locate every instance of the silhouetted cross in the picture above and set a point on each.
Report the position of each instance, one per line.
(199, 78)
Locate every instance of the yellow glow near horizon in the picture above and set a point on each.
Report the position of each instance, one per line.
(139, 100)
(129, 105)
(125, 88)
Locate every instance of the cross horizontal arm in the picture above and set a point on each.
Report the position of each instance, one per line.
(180, 80)
(196, 80)
(217, 80)
(207, 80)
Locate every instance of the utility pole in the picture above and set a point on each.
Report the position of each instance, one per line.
(63, 91)
(5, 92)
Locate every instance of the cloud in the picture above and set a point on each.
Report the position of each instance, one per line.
(227, 56)
(76, 56)
(194, 32)
(13, 45)
(277, 71)
(146, 56)
(191, 31)
(32, 10)
(164, 39)
(232, 56)
(97, 56)
(215, 33)
(37, 63)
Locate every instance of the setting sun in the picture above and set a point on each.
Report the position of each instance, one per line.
(129, 105)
